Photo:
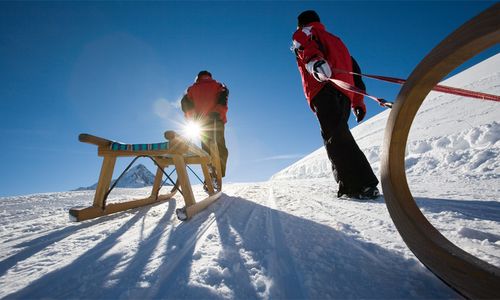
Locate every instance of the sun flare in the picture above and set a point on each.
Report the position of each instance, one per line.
(192, 130)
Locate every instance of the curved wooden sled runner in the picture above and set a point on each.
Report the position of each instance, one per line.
(468, 275)
(176, 151)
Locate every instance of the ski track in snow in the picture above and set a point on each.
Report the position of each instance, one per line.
(258, 241)
(286, 238)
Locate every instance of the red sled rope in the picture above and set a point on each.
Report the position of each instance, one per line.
(351, 88)
(437, 88)
(441, 88)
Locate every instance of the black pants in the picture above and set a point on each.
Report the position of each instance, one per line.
(351, 169)
(215, 129)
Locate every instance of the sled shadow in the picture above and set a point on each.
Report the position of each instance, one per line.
(38, 244)
(85, 277)
(470, 209)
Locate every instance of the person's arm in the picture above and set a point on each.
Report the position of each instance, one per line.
(187, 105)
(358, 105)
(308, 52)
(358, 81)
(221, 107)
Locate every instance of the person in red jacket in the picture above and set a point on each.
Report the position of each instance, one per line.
(206, 103)
(319, 54)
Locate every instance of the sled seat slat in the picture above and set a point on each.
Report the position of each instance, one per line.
(118, 146)
(115, 146)
(92, 139)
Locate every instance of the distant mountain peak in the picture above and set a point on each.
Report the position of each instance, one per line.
(136, 177)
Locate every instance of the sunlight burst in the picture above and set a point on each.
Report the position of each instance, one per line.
(192, 130)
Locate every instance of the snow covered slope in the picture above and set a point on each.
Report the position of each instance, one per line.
(286, 238)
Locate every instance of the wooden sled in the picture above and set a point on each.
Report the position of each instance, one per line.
(176, 151)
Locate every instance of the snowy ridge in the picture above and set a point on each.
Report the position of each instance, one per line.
(446, 133)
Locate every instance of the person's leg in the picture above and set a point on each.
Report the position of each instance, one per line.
(351, 169)
(215, 130)
(221, 145)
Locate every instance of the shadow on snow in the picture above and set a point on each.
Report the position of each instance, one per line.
(265, 252)
(469, 209)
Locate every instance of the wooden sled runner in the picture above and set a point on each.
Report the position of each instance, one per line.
(468, 275)
(177, 152)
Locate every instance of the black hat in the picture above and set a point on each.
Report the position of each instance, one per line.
(204, 72)
(307, 17)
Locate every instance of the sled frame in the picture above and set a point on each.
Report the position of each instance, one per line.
(179, 154)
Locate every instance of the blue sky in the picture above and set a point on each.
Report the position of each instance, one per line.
(117, 70)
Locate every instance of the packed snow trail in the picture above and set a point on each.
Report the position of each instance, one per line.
(260, 241)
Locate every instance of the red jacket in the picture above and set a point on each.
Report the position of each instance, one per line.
(204, 97)
(313, 42)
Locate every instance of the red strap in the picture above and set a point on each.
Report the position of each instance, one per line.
(438, 88)
(351, 88)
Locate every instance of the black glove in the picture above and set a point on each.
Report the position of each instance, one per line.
(360, 113)
(214, 116)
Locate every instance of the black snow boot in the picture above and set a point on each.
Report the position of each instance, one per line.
(371, 192)
(368, 193)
